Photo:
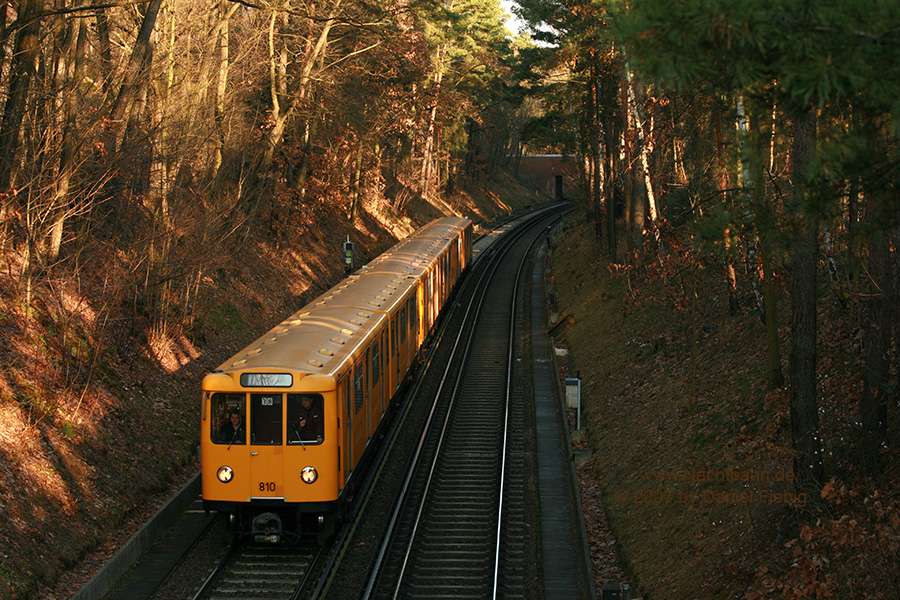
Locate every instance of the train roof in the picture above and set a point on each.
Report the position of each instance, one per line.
(414, 254)
(316, 341)
(325, 333)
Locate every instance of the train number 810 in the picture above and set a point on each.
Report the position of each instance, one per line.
(267, 486)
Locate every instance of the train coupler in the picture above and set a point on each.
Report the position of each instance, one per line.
(266, 527)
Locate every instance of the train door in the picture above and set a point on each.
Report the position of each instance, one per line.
(266, 450)
(435, 291)
(413, 328)
(376, 386)
(402, 330)
(395, 353)
(426, 298)
(359, 417)
(437, 284)
(445, 261)
(422, 325)
(454, 262)
(346, 426)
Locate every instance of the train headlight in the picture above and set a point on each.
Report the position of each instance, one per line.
(225, 474)
(309, 474)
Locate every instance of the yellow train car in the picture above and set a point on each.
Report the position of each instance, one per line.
(286, 421)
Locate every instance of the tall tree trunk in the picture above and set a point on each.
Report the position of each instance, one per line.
(722, 181)
(315, 53)
(22, 69)
(643, 136)
(611, 158)
(309, 133)
(4, 32)
(277, 92)
(807, 444)
(628, 179)
(770, 294)
(135, 80)
(104, 49)
(166, 157)
(596, 141)
(67, 152)
(765, 227)
(431, 132)
(226, 10)
(357, 182)
(874, 402)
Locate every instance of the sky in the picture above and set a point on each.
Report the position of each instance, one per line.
(514, 24)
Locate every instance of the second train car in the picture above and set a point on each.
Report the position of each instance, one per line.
(286, 421)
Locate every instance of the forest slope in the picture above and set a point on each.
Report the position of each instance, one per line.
(98, 408)
(692, 451)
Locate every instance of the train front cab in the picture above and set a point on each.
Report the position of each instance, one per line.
(272, 482)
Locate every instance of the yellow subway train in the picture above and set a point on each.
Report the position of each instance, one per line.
(286, 421)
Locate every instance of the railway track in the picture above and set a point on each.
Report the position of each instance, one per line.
(251, 571)
(456, 531)
(461, 530)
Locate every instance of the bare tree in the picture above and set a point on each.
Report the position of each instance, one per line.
(134, 80)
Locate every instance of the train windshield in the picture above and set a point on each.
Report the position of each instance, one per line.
(305, 419)
(228, 419)
(265, 419)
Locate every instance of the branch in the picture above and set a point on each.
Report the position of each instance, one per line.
(20, 23)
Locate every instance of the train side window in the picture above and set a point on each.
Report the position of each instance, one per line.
(223, 428)
(305, 418)
(266, 419)
(413, 314)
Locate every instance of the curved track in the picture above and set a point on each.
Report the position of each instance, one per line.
(462, 530)
(450, 535)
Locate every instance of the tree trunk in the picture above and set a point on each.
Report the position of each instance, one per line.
(645, 143)
(309, 61)
(104, 49)
(431, 133)
(611, 158)
(357, 182)
(874, 402)
(596, 141)
(765, 227)
(730, 277)
(770, 295)
(167, 154)
(226, 10)
(773, 344)
(277, 93)
(22, 69)
(67, 152)
(135, 80)
(807, 445)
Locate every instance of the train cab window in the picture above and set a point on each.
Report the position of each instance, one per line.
(227, 423)
(265, 419)
(305, 418)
